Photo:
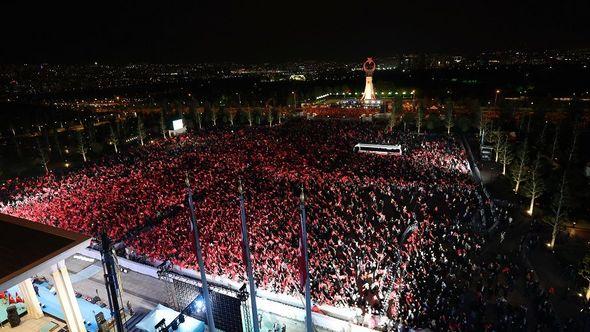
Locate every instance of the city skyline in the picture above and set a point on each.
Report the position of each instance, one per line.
(255, 32)
(295, 166)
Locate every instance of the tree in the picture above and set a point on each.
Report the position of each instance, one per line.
(280, 114)
(91, 132)
(559, 206)
(119, 128)
(518, 170)
(140, 129)
(19, 152)
(82, 148)
(481, 122)
(541, 139)
(486, 127)
(181, 112)
(497, 138)
(584, 272)
(392, 116)
(198, 112)
(506, 156)
(535, 186)
(42, 156)
(46, 138)
(214, 115)
(269, 117)
(162, 122)
(56, 142)
(555, 142)
(573, 146)
(249, 115)
(114, 140)
(419, 118)
(231, 113)
(449, 123)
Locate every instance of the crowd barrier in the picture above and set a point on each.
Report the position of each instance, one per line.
(333, 319)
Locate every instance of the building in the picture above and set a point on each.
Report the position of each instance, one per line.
(26, 250)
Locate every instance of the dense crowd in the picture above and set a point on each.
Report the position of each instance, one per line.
(340, 112)
(388, 234)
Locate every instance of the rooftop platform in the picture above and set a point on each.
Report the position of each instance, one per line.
(28, 248)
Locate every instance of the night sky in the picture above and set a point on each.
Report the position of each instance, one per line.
(257, 31)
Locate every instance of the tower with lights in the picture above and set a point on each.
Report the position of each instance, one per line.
(369, 94)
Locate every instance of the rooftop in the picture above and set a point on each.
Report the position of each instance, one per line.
(27, 248)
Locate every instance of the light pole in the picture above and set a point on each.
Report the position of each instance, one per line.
(197, 243)
(405, 235)
(303, 214)
(249, 272)
(294, 99)
(496, 97)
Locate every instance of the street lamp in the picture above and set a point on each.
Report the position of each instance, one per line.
(496, 97)
(294, 99)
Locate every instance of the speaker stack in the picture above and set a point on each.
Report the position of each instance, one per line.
(12, 316)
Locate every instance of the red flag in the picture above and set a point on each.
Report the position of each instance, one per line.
(302, 274)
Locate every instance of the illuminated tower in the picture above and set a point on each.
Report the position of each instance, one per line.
(369, 67)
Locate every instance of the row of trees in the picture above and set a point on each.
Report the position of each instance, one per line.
(88, 136)
(540, 158)
(447, 120)
(202, 115)
(535, 169)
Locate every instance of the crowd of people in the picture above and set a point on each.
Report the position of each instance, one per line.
(391, 235)
(340, 112)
